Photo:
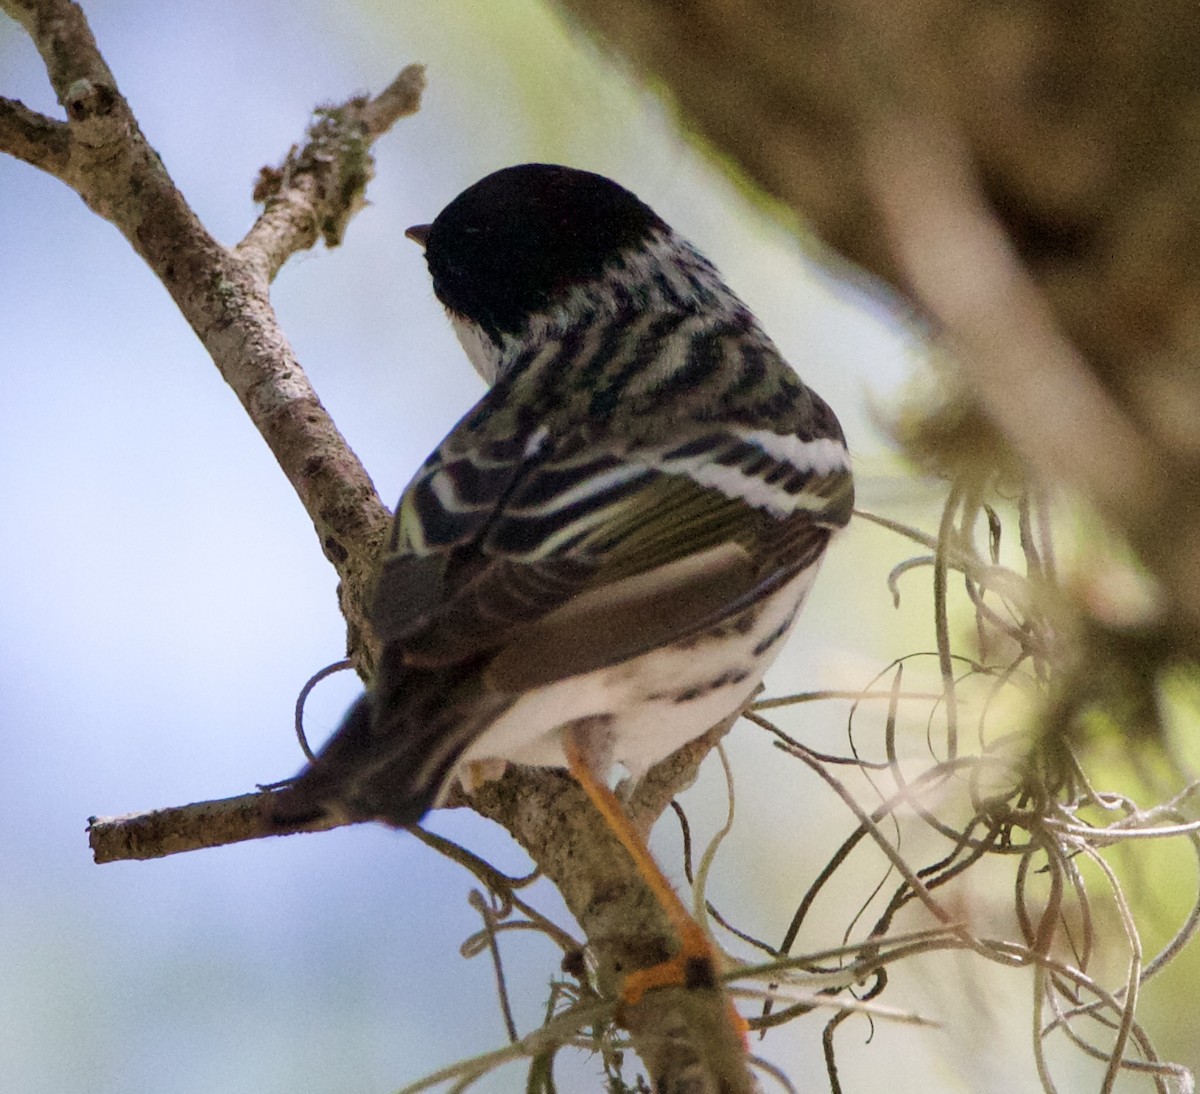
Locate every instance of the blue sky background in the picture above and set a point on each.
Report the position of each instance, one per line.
(164, 597)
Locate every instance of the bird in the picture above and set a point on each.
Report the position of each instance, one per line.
(605, 554)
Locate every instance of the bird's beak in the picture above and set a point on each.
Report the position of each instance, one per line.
(419, 233)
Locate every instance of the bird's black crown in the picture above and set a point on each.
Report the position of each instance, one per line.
(520, 239)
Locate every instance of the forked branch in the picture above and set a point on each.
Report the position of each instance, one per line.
(100, 151)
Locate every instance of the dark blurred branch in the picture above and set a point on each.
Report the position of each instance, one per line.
(1025, 175)
(1008, 344)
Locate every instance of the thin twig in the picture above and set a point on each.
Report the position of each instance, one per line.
(302, 698)
(479, 902)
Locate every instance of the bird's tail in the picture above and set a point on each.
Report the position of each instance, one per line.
(318, 790)
(389, 759)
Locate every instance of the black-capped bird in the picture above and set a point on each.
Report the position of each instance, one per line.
(603, 557)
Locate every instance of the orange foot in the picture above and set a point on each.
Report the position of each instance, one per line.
(694, 966)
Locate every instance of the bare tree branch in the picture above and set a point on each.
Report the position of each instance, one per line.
(399, 99)
(681, 1034)
(158, 833)
(224, 295)
(171, 831)
(33, 137)
(322, 184)
(684, 1036)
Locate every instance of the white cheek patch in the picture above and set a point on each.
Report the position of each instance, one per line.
(482, 352)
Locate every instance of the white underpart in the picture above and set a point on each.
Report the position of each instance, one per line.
(641, 696)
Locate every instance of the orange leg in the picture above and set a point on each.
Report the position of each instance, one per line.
(693, 965)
